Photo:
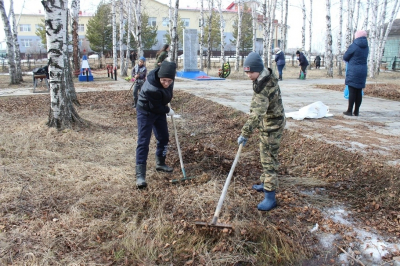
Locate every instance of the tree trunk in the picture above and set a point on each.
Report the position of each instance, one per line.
(265, 32)
(271, 30)
(286, 18)
(62, 112)
(282, 27)
(10, 45)
(254, 25)
(114, 36)
(357, 15)
(75, 6)
(16, 44)
(222, 30)
(139, 28)
(372, 38)
(310, 29)
(349, 29)
(239, 34)
(201, 34)
(380, 34)
(328, 41)
(303, 28)
(339, 40)
(70, 88)
(128, 36)
(174, 34)
(210, 8)
(365, 24)
(121, 40)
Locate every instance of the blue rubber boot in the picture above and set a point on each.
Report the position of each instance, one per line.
(269, 202)
(258, 188)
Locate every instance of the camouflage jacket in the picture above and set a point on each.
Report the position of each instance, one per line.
(266, 109)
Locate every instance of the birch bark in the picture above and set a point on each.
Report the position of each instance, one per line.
(10, 44)
(239, 35)
(380, 34)
(138, 15)
(303, 28)
(222, 30)
(310, 32)
(174, 36)
(121, 39)
(265, 31)
(339, 40)
(328, 41)
(285, 32)
(272, 30)
(365, 24)
(62, 112)
(210, 8)
(254, 25)
(372, 38)
(128, 36)
(114, 35)
(75, 6)
(16, 44)
(349, 29)
(201, 34)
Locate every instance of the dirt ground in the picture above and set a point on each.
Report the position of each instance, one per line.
(69, 198)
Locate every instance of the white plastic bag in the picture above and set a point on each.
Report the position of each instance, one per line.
(314, 110)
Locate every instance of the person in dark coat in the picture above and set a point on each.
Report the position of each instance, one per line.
(317, 62)
(356, 75)
(303, 63)
(280, 60)
(161, 55)
(139, 73)
(132, 57)
(152, 107)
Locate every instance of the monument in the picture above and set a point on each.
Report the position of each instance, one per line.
(190, 48)
(85, 73)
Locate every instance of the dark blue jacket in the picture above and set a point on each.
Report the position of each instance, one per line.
(280, 58)
(153, 97)
(356, 57)
(303, 60)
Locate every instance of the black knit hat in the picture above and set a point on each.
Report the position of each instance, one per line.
(167, 70)
(253, 63)
(298, 52)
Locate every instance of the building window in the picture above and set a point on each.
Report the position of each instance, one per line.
(186, 22)
(26, 42)
(152, 22)
(165, 22)
(25, 27)
(81, 27)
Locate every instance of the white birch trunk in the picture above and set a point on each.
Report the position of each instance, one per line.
(303, 28)
(174, 33)
(285, 32)
(121, 37)
(349, 28)
(372, 38)
(380, 34)
(138, 29)
(282, 27)
(201, 34)
(114, 35)
(310, 32)
(210, 8)
(239, 35)
(365, 24)
(254, 25)
(339, 40)
(75, 6)
(265, 32)
(271, 30)
(16, 44)
(328, 41)
(128, 36)
(357, 15)
(62, 112)
(222, 30)
(10, 45)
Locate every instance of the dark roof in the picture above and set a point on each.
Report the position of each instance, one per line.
(395, 30)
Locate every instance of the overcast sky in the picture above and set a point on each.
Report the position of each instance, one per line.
(294, 18)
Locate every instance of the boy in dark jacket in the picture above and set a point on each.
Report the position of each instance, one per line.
(139, 74)
(303, 63)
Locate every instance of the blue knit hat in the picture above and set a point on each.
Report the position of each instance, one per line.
(253, 63)
(142, 58)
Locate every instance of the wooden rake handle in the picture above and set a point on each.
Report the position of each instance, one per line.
(177, 144)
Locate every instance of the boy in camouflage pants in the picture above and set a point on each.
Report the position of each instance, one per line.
(268, 116)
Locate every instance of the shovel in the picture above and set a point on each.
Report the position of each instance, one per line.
(222, 198)
(180, 155)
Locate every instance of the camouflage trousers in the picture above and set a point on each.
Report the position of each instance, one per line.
(269, 148)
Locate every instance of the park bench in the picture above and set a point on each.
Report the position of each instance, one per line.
(40, 75)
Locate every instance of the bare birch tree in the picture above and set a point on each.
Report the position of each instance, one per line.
(174, 34)
(310, 32)
(285, 31)
(128, 36)
(16, 44)
(254, 24)
(380, 34)
(271, 26)
(372, 38)
(349, 29)
(281, 29)
(265, 32)
(365, 24)
(239, 34)
(339, 39)
(121, 39)
(328, 41)
(10, 45)
(75, 6)
(222, 30)
(201, 33)
(62, 112)
(170, 23)
(357, 7)
(114, 34)
(138, 27)
(303, 28)
(210, 13)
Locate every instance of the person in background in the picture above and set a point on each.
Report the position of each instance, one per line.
(356, 74)
(152, 107)
(268, 116)
(132, 57)
(303, 63)
(139, 74)
(280, 61)
(161, 55)
(317, 62)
